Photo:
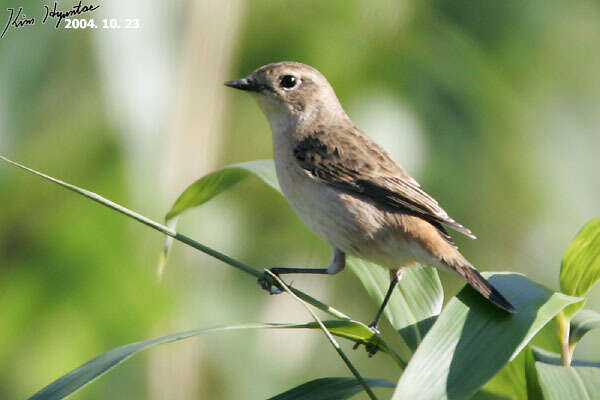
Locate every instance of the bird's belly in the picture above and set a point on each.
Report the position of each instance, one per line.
(348, 222)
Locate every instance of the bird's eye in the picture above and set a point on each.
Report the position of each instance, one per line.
(289, 82)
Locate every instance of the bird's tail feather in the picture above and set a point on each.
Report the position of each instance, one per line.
(486, 289)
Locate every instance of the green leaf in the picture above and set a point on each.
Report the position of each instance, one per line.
(172, 234)
(580, 269)
(510, 381)
(96, 367)
(416, 302)
(331, 339)
(330, 389)
(534, 390)
(550, 357)
(517, 380)
(485, 395)
(572, 383)
(581, 323)
(210, 186)
(354, 331)
(472, 339)
(217, 182)
(547, 337)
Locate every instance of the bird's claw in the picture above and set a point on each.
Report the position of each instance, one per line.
(269, 284)
(370, 347)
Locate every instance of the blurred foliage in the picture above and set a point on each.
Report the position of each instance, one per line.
(506, 95)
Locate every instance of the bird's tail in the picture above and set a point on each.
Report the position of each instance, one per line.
(486, 289)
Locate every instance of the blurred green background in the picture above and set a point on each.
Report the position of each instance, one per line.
(493, 106)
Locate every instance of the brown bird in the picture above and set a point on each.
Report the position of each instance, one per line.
(347, 189)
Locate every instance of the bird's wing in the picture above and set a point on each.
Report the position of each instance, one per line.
(353, 162)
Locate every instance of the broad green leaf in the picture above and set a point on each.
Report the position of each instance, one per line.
(510, 381)
(485, 395)
(550, 357)
(568, 383)
(580, 269)
(518, 379)
(547, 337)
(534, 390)
(472, 339)
(96, 367)
(415, 303)
(330, 389)
(581, 323)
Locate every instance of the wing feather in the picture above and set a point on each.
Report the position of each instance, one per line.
(353, 162)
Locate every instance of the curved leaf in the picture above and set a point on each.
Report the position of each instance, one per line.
(573, 383)
(217, 182)
(330, 389)
(547, 337)
(354, 331)
(98, 366)
(416, 302)
(518, 379)
(580, 268)
(210, 186)
(581, 323)
(472, 339)
(550, 357)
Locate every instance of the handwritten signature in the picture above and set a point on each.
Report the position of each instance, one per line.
(20, 20)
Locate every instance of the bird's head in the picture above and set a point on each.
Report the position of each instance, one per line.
(291, 92)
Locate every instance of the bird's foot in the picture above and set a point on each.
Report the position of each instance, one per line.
(370, 347)
(268, 283)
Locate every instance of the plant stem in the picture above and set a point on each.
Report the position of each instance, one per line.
(566, 350)
(177, 236)
(332, 340)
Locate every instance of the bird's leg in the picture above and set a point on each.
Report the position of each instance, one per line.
(394, 279)
(338, 262)
(395, 276)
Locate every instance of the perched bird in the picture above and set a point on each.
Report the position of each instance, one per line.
(346, 188)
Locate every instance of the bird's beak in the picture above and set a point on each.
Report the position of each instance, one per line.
(244, 84)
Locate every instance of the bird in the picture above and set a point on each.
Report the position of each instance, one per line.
(347, 189)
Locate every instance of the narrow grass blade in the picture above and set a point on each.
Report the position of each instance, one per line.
(358, 333)
(330, 389)
(96, 367)
(472, 339)
(177, 236)
(333, 342)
